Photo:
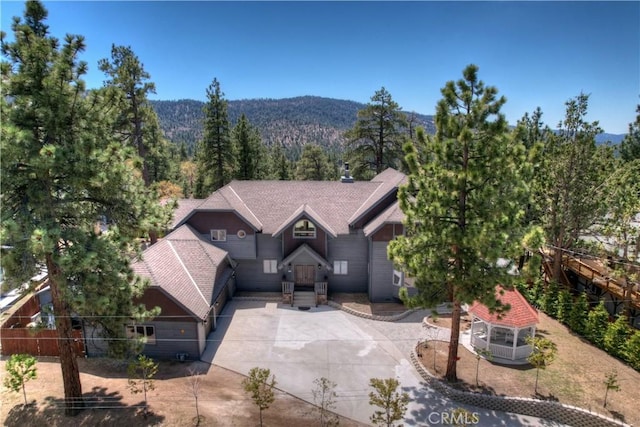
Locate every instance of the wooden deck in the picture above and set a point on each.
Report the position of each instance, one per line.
(600, 275)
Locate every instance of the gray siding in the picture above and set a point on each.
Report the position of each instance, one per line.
(173, 338)
(236, 247)
(250, 275)
(381, 280)
(354, 249)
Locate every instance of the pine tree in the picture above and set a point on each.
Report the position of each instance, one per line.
(375, 142)
(578, 314)
(61, 169)
(632, 350)
(563, 306)
(550, 299)
(126, 74)
(313, 165)
(282, 169)
(616, 336)
(462, 203)
(630, 145)
(570, 192)
(597, 324)
(216, 153)
(251, 152)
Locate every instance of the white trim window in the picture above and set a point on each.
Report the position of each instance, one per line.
(146, 333)
(304, 229)
(340, 267)
(269, 266)
(219, 235)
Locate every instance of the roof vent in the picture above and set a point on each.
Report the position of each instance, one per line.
(347, 175)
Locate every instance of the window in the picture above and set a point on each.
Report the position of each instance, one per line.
(218, 235)
(144, 332)
(304, 229)
(340, 267)
(270, 266)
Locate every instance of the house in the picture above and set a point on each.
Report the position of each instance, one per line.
(294, 237)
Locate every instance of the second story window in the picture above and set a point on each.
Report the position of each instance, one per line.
(218, 235)
(304, 229)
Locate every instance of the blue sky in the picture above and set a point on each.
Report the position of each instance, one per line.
(535, 53)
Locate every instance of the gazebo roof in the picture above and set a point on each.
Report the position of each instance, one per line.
(521, 315)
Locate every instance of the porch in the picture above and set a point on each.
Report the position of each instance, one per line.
(304, 296)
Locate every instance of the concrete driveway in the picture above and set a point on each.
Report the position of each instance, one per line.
(301, 346)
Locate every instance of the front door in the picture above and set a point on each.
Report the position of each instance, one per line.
(305, 275)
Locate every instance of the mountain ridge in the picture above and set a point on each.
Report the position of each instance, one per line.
(291, 122)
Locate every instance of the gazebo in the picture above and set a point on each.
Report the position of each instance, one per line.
(504, 335)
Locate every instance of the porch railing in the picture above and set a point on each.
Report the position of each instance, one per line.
(320, 289)
(287, 292)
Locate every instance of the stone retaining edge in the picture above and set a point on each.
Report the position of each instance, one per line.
(393, 318)
(554, 411)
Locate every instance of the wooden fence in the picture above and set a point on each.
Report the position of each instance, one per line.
(35, 342)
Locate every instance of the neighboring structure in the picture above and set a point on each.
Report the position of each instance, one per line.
(294, 237)
(504, 335)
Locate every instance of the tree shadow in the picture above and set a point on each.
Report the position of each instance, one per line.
(101, 408)
(117, 368)
(429, 407)
(548, 397)
(616, 415)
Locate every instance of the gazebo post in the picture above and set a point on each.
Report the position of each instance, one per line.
(489, 325)
(515, 343)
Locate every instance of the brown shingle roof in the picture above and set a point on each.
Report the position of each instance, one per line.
(392, 215)
(185, 266)
(266, 205)
(521, 314)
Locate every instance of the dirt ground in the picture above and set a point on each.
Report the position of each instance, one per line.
(221, 399)
(576, 377)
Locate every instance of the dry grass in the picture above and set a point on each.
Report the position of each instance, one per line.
(222, 401)
(576, 377)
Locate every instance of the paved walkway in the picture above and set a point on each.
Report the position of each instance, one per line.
(301, 346)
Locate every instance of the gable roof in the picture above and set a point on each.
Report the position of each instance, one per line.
(389, 180)
(184, 266)
(305, 249)
(392, 215)
(521, 314)
(305, 211)
(268, 206)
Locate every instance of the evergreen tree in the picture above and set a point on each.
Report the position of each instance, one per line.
(126, 73)
(597, 324)
(251, 152)
(462, 203)
(563, 306)
(630, 145)
(60, 170)
(578, 314)
(216, 153)
(375, 142)
(282, 169)
(570, 193)
(550, 299)
(313, 165)
(632, 350)
(616, 336)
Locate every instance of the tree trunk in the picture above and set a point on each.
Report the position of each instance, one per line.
(557, 265)
(452, 360)
(68, 361)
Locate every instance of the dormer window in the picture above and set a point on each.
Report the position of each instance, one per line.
(304, 229)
